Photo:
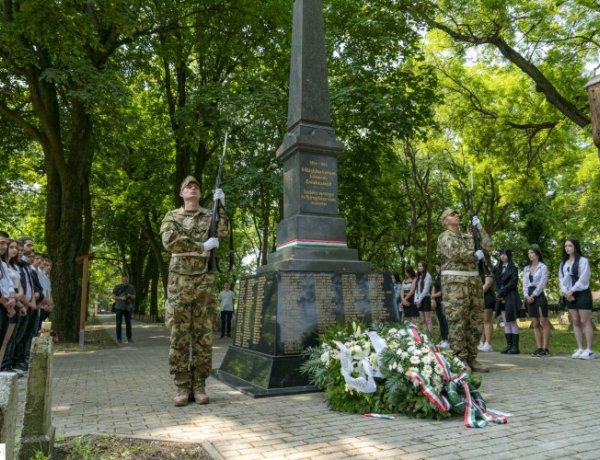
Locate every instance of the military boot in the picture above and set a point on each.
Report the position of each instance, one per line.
(182, 382)
(200, 392)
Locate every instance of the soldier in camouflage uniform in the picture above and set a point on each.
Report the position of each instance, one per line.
(462, 287)
(190, 305)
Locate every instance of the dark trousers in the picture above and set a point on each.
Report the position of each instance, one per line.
(23, 341)
(127, 315)
(442, 321)
(226, 320)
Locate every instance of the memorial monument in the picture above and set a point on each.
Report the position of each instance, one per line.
(313, 280)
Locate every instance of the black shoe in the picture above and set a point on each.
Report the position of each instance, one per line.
(130, 341)
(538, 352)
(546, 352)
(508, 343)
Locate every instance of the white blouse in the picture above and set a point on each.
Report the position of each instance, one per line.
(420, 294)
(565, 281)
(540, 279)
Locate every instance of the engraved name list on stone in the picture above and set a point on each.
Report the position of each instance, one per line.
(249, 314)
(351, 297)
(377, 297)
(292, 285)
(258, 315)
(325, 300)
(241, 312)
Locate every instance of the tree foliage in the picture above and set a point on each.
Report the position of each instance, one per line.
(106, 106)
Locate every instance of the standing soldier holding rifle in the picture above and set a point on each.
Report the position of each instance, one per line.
(190, 299)
(461, 285)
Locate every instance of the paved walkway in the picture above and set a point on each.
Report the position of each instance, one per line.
(128, 391)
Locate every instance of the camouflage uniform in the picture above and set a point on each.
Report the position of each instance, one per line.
(463, 293)
(190, 304)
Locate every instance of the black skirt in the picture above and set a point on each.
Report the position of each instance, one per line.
(583, 300)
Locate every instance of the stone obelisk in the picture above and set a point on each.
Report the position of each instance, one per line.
(313, 280)
(312, 234)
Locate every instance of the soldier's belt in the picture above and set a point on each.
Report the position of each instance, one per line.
(187, 254)
(459, 273)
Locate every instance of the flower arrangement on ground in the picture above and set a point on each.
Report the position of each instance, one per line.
(391, 369)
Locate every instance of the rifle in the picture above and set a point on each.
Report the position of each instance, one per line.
(483, 266)
(213, 260)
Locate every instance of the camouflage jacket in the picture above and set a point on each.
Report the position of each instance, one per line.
(455, 251)
(183, 233)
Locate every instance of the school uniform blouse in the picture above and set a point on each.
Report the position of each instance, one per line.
(540, 279)
(565, 281)
(420, 294)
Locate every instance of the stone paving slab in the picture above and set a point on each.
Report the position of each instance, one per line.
(128, 391)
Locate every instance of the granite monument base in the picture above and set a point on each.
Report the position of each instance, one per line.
(280, 313)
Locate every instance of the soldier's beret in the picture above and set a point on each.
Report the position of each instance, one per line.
(188, 180)
(448, 212)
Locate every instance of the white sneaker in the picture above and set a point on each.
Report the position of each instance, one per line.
(444, 345)
(577, 353)
(480, 346)
(587, 354)
(486, 347)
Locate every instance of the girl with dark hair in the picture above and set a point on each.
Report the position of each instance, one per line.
(574, 275)
(438, 305)
(422, 298)
(407, 295)
(10, 259)
(535, 279)
(508, 301)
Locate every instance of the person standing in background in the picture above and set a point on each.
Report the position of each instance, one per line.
(574, 276)
(508, 301)
(489, 306)
(124, 296)
(422, 296)
(437, 303)
(535, 279)
(226, 301)
(407, 295)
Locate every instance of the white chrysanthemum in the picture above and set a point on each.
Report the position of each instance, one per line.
(325, 358)
(417, 352)
(415, 359)
(426, 359)
(438, 369)
(393, 365)
(373, 359)
(405, 355)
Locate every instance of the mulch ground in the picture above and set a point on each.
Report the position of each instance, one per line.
(90, 447)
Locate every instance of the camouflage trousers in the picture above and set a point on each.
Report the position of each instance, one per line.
(189, 315)
(463, 303)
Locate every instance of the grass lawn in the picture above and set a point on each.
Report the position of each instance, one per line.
(562, 340)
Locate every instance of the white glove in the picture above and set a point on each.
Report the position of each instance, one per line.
(476, 222)
(211, 244)
(218, 195)
(479, 254)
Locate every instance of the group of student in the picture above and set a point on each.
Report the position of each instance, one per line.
(25, 300)
(417, 293)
